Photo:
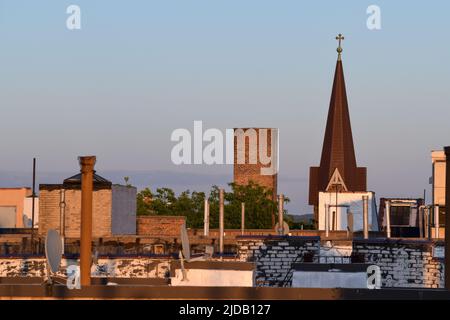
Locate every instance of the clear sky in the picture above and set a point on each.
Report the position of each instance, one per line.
(137, 70)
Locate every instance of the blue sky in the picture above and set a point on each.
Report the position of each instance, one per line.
(137, 70)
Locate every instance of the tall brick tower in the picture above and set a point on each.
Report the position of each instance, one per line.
(338, 170)
(247, 160)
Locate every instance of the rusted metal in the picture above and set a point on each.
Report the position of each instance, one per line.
(447, 218)
(338, 151)
(87, 172)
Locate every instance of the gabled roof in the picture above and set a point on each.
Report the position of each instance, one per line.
(76, 179)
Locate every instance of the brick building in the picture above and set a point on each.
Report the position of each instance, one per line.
(114, 208)
(249, 160)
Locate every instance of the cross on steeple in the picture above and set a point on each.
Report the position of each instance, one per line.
(340, 37)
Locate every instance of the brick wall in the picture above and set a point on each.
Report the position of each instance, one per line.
(162, 226)
(403, 263)
(49, 212)
(274, 256)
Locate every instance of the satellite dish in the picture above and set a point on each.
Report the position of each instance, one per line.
(185, 243)
(285, 228)
(53, 250)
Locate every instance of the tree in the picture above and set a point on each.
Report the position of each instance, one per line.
(258, 206)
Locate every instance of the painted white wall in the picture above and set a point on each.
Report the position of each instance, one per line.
(355, 204)
(27, 212)
(214, 278)
(317, 279)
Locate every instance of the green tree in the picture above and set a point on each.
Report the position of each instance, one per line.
(258, 206)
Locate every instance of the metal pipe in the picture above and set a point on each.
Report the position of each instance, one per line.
(366, 216)
(426, 219)
(388, 219)
(221, 222)
(62, 216)
(447, 217)
(421, 221)
(242, 218)
(87, 174)
(280, 214)
(436, 221)
(206, 218)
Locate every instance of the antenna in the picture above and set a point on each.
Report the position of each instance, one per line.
(53, 252)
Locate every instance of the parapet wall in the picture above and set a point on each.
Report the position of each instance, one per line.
(274, 256)
(404, 263)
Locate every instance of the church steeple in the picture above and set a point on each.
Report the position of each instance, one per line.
(338, 153)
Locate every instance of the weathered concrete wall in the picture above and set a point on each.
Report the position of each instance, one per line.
(403, 263)
(123, 210)
(274, 256)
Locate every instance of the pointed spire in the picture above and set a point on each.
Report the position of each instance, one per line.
(338, 151)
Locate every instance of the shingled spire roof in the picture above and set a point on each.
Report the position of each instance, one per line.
(338, 161)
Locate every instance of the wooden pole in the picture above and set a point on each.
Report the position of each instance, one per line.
(87, 184)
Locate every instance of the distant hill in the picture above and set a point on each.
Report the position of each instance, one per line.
(305, 218)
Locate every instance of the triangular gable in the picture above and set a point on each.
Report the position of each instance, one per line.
(336, 179)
